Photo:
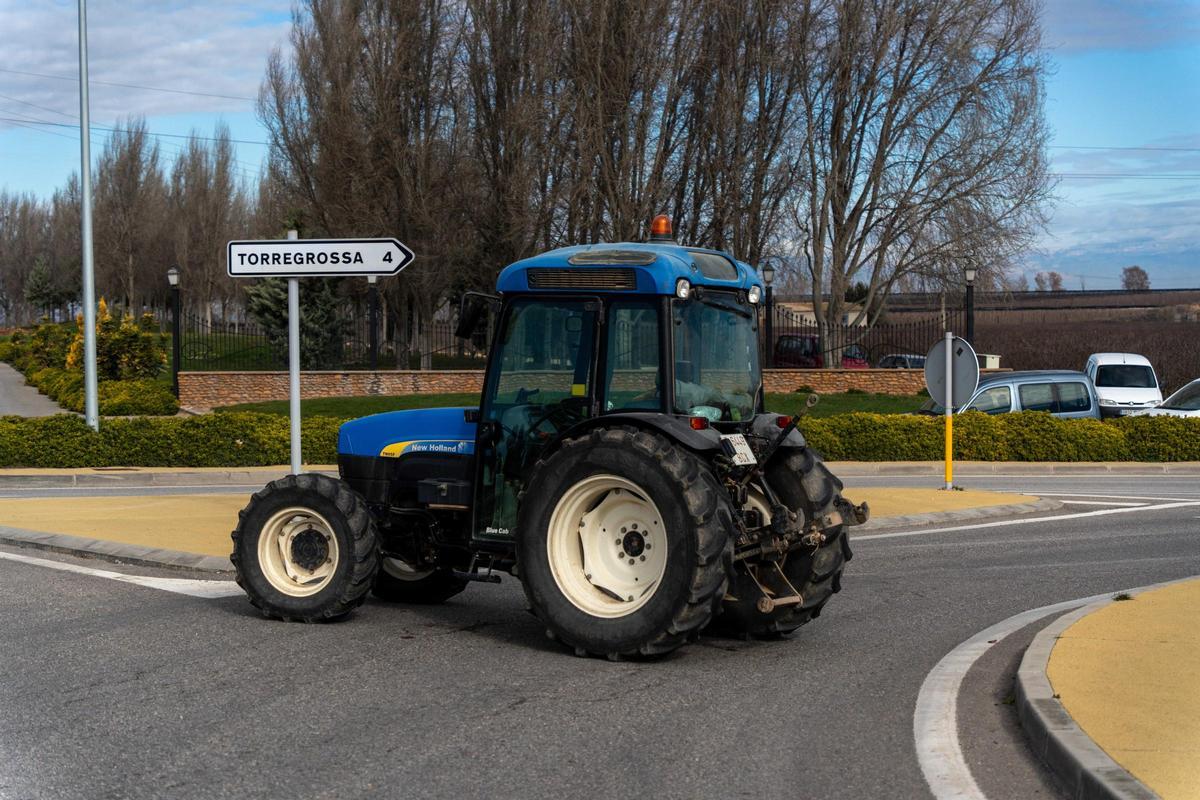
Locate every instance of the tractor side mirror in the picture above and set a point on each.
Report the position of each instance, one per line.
(472, 311)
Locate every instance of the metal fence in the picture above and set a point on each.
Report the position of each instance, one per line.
(348, 344)
(792, 339)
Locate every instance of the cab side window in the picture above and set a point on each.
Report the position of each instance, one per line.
(633, 380)
(996, 400)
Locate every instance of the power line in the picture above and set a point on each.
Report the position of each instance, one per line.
(128, 85)
(1126, 176)
(247, 171)
(35, 105)
(149, 133)
(1096, 147)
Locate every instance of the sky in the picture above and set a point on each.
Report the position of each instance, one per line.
(1122, 101)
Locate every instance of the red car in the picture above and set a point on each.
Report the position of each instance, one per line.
(803, 351)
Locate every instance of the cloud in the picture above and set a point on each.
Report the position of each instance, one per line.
(215, 47)
(1080, 25)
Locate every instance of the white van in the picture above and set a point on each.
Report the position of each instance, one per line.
(1125, 383)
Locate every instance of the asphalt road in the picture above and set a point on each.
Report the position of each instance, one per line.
(109, 689)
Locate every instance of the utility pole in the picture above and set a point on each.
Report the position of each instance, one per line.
(91, 406)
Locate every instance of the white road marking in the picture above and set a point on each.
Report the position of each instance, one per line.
(1006, 522)
(935, 718)
(192, 588)
(1108, 496)
(1101, 503)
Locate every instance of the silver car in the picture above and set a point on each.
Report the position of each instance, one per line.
(1064, 393)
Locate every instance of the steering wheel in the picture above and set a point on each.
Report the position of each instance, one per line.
(570, 410)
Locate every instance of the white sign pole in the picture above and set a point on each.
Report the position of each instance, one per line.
(91, 409)
(294, 364)
(949, 410)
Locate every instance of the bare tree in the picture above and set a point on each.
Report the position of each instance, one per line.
(924, 148)
(207, 209)
(130, 241)
(1135, 279)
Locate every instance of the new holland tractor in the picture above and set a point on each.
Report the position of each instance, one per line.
(620, 464)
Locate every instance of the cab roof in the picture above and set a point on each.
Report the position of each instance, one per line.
(634, 267)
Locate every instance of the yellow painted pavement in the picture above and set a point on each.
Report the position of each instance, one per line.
(200, 523)
(1129, 674)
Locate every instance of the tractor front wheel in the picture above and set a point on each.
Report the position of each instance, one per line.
(305, 549)
(624, 543)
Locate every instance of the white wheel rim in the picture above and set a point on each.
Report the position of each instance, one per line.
(298, 552)
(606, 546)
(403, 571)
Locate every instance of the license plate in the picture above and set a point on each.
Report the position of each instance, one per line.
(738, 449)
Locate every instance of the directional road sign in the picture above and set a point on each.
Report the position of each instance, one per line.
(964, 374)
(303, 258)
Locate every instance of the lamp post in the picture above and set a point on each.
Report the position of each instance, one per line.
(373, 304)
(176, 345)
(768, 275)
(970, 272)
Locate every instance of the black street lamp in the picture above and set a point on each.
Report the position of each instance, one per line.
(768, 275)
(373, 305)
(173, 279)
(970, 272)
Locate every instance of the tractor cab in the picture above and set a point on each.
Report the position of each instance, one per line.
(651, 334)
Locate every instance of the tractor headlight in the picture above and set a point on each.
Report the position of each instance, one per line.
(683, 288)
(754, 295)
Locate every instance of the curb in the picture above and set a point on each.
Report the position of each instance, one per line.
(126, 479)
(976, 468)
(962, 515)
(1054, 736)
(116, 552)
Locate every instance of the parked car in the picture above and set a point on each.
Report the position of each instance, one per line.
(1184, 403)
(1064, 393)
(901, 361)
(803, 351)
(1125, 383)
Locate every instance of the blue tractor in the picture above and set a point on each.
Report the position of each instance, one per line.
(620, 464)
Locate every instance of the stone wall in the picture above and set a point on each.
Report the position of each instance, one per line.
(202, 391)
(833, 381)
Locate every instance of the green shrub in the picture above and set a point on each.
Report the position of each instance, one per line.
(213, 440)
(6, 351)
(115, 398)
(128, 398)
(125, 350)
(1160, 438)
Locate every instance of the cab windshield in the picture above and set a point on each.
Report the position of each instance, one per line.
(716, 357)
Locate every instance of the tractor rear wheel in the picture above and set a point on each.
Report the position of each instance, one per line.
(305, 549)
(398, 582)
(624, 543)
(805, 486)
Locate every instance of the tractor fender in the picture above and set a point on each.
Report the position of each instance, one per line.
(765, 425)
(677, 429)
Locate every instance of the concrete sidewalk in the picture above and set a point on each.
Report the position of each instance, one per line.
(149, 528)
(1109, 695)
(23, 401)
(34, 477)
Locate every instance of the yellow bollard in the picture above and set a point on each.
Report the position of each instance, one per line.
(949, 451)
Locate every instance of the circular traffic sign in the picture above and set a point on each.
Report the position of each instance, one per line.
(964, 366)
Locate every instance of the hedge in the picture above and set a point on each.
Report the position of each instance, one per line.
(116, 398)
(1027, 436)
(244, 439)
(131, 357)
(213, 440)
